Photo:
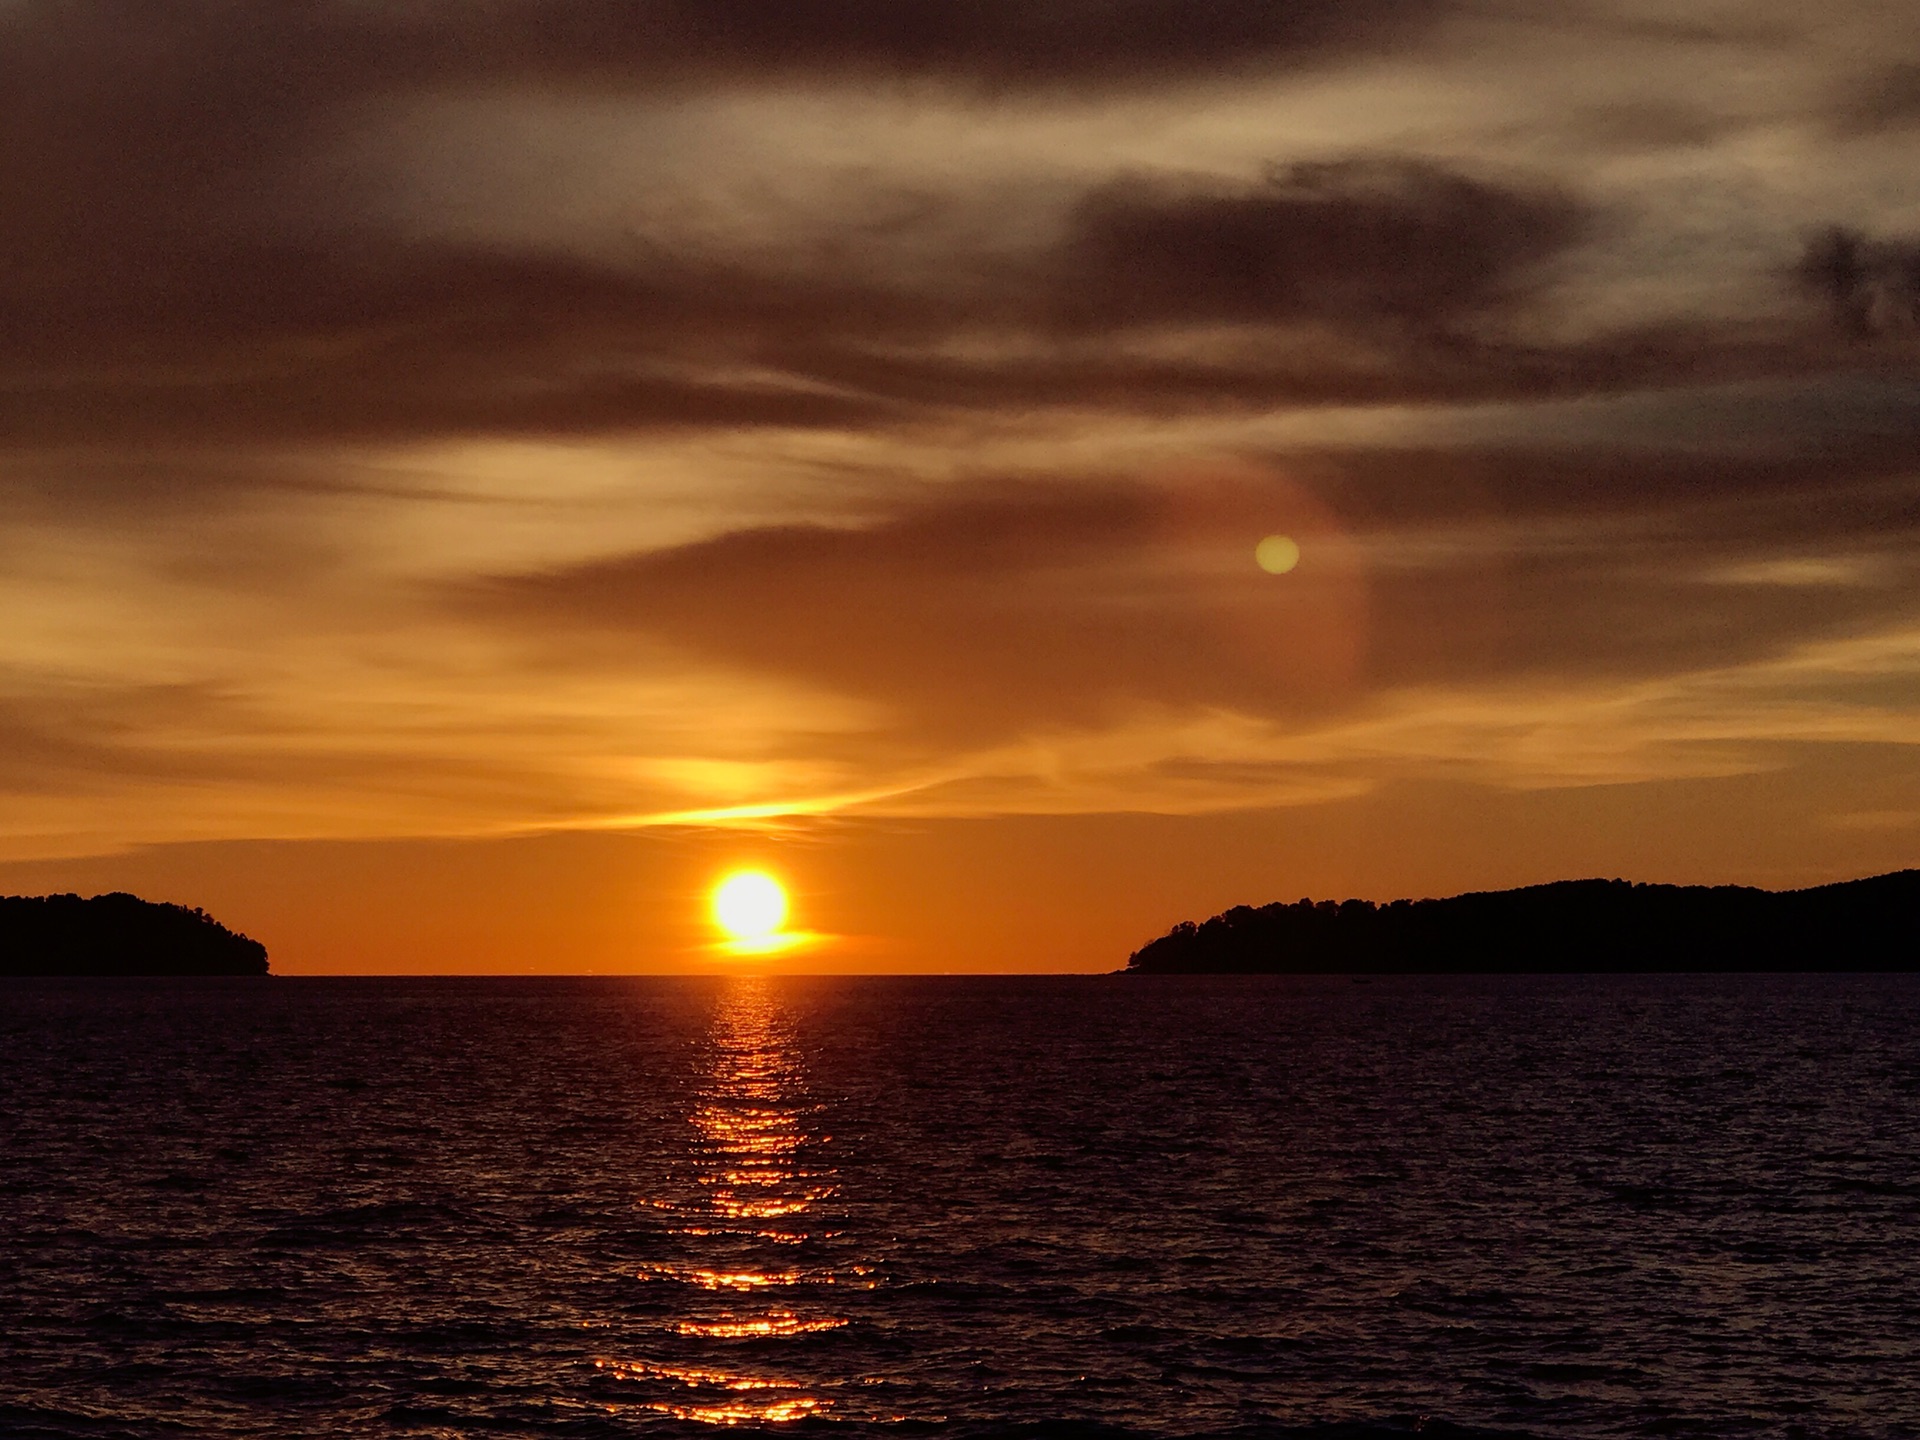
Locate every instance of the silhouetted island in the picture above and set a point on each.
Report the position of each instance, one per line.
(1572, 925)
(118, 934)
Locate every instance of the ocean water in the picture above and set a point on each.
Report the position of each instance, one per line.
(1575, 1206)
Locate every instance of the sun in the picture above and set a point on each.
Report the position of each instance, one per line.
(750, 906)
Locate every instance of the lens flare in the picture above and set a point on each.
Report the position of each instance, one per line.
(1277, 554)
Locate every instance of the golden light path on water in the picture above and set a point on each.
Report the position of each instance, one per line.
(753, 1188)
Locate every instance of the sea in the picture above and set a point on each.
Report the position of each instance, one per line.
(1091, 1206)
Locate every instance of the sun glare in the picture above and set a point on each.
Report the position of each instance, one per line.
(750, 906)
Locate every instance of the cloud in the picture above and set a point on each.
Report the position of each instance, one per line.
(990, 612)
(179, 119)
(339, 46)
(1352, 243)
(203, 334)
(1361, 280)
(88, 738)
(1871, 286)
(996, 610)
(1887, 100)
(887, 325)
(396, 340)
(189, 254)
(1590, 565)
(998, 42)
(190, 250)
(1047, 645)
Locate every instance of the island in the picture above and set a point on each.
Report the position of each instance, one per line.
(1568, 926)
(119, 934)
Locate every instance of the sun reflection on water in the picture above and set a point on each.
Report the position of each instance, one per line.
(746, 1413)
(692, 1375)
(774, 1323)
(756, 1162)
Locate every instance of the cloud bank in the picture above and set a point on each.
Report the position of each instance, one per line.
(448, 419)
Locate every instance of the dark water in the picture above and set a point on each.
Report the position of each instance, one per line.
(1557, 1207)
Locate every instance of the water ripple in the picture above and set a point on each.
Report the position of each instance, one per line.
(1118, 1209)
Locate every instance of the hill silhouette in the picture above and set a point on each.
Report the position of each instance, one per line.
(1571, 925)
(118, 934)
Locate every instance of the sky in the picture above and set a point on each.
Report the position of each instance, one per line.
(471, 473)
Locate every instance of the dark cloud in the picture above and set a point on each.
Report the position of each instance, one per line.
(160, 158)
(1887, 100)
(996, 612)
(179, 116)
(1649, 126)
(991, 41)
(1351, 243)
(394, 340)
(162, 277)
(1373, 280)
(1872, 286)
(266, 343)
(343, 47)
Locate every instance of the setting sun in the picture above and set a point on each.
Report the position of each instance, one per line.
(750, 906)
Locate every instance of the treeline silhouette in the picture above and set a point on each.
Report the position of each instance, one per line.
(119, 934)
(1572, 925)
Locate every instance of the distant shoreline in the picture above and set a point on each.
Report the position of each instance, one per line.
(1570, 926)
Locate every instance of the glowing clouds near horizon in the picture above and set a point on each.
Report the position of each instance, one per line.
(751, 908)
(1277, 554)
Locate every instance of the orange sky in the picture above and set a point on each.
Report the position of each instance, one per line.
(1020, 894)
(465, 480)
